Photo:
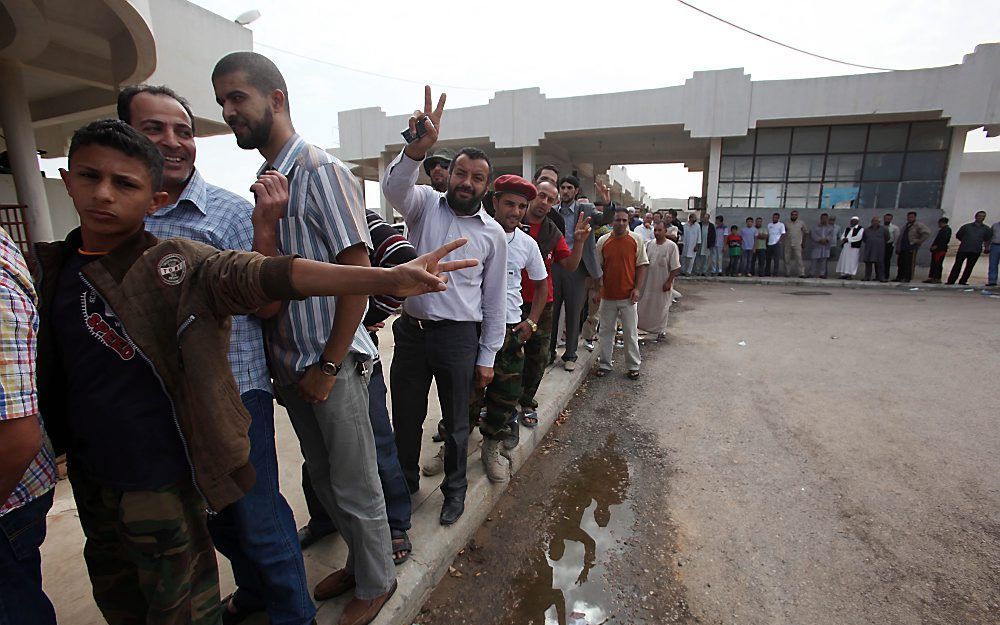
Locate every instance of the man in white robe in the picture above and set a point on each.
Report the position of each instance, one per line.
(692, 244)
(664, 265)
(850, 252)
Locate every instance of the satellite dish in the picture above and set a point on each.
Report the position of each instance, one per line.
(247, 17)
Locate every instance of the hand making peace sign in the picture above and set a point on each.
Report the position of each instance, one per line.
(432, 125)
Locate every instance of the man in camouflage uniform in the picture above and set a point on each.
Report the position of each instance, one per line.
(553, 248)
(510, 200)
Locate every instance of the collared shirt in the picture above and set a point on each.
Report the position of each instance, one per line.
(893, 233)
(569, 215)
(325, 216)
(19, 400)
(796, 232)
(212, 215)
(522, 255)
(474, 294)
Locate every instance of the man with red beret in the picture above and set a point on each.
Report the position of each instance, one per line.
(511, 195)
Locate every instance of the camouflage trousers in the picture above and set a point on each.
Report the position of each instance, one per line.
(500, 395)
(536, 356)
(149, 554)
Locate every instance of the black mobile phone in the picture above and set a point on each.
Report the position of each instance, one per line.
(410, 137)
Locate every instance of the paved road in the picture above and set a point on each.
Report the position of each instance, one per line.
(841, 467)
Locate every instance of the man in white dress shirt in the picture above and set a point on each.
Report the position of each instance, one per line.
(436, 336)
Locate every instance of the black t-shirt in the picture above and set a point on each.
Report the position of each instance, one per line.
(121, 421)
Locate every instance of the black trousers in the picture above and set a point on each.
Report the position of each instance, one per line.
(969, 258)
(444, 352)
(773, 256)
(906, 259)
(887, 262)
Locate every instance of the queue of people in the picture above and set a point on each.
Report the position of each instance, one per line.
(152, 342)
(756, 249)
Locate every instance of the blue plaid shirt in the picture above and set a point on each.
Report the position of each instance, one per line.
(210, 214)
(325, 216)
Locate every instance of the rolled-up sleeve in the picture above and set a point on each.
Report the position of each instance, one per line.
(494, 289)
(401, 189)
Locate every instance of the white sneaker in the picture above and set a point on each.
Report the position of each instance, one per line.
(435, 465)
(569, 365)
(496, 464)
(589, 345)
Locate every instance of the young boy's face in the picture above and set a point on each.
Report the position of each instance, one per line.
(111, 192)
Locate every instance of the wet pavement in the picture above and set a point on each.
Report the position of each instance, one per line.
(567, 577)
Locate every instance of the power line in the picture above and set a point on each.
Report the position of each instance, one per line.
(784, 45)
(368, 72)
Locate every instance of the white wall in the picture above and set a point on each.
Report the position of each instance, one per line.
(977, 192)
(64, 216)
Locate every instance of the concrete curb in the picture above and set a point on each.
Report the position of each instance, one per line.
(837, 283)
(438, 545)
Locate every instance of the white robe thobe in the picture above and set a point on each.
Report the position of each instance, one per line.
(848, 263)
(654, 307)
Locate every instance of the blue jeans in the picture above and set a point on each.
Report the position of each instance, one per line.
(22, 531)
(994, 262)
(390, 473)
(257, 533)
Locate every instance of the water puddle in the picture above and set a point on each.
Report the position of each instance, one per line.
(567, 582)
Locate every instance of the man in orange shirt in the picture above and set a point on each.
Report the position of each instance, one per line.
(623, 258)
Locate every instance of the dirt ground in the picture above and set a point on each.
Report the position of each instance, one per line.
(789, 456)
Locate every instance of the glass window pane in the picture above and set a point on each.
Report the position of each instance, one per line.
(887, 137)
(920, 195)
(741, 202)
(805, 168)
(839, 195)
(883, 166)
(773, 140)
(809, 140)
(924, 166)
(738, 145)
(878, 195)
(741, 189)
(735, 168)
(770, 167)
(848, 138)
(843, 167)
(929, 136)
(767, 195)
(802, 195)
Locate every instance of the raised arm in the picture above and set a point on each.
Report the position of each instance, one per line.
(400, 182)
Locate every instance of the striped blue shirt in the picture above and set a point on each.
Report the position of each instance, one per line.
(325, 216)
(210, 214)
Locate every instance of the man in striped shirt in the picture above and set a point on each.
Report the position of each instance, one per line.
(320, 355)
(27, 469)
(389, 248)
(257, 533)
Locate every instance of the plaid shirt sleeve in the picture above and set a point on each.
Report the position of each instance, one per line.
(18, 397)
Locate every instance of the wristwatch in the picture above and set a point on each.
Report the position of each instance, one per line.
(330, 368)
(532, 325)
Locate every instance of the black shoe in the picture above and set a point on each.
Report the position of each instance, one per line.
(309, 537)
(234, 618)
(511, 440)
(452, 509)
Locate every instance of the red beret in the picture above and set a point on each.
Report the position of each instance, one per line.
(509, 183)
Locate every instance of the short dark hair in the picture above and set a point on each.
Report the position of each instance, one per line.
(672, 211)
(773, 214)
(621, 209)
(126, 95)
(733, 227)
(573, 180)
(824, 214)
(261, 71)
(543, 168)
(943, 220)
(749, 219)
(117, 135)
(474, 154)
(914, 213)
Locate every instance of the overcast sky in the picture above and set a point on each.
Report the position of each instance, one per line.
(574, 48)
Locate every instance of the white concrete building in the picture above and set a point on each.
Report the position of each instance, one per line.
(62, 63)
(870, 143)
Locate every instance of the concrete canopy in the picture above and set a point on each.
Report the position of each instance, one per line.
(74, 55)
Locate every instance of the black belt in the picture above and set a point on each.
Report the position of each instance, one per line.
(427, 324)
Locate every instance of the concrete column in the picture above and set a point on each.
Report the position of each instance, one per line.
(22, 151)
(712, 174)
(950, 191)
(528, 162)
(387, 212)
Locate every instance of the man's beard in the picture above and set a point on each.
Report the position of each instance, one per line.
(465, 207)
(260, 133)
(439, 185)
